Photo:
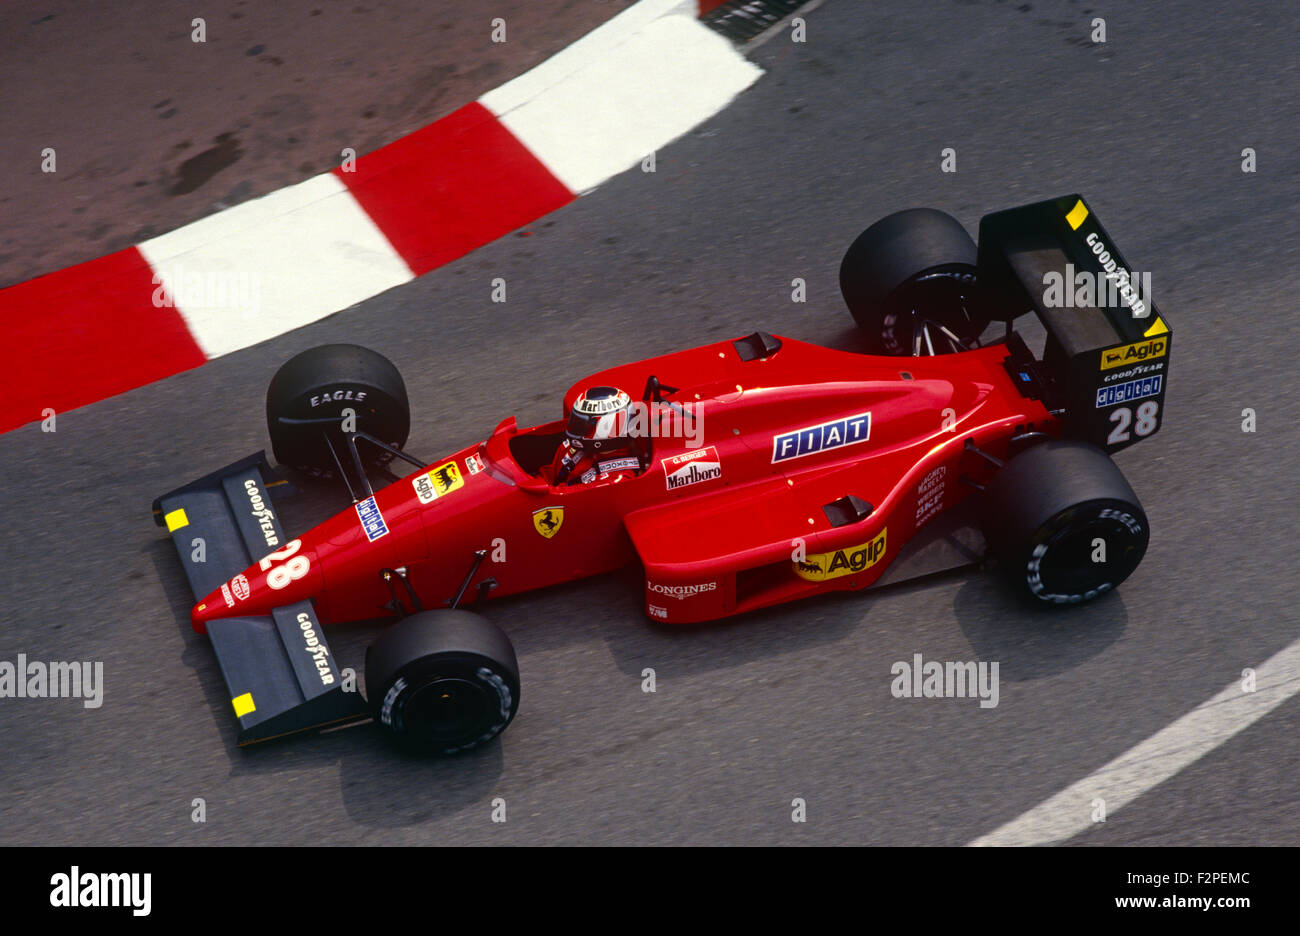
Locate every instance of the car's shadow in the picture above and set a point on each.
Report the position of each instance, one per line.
(1029, 638)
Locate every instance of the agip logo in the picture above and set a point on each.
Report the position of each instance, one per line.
(1134, 353)
(439, 481)
(825, 566)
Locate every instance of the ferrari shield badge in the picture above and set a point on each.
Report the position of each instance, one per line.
(548, 520)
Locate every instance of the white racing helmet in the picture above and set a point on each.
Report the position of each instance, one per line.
(598, 421)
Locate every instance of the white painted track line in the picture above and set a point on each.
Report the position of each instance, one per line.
(1156, 759)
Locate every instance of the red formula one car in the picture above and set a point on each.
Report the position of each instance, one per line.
(741, 474)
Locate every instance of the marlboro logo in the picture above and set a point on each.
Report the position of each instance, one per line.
(692, 468)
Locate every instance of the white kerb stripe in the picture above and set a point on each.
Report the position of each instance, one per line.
(273, 264)
(597, 109)
(594, 46)
(1158, 758)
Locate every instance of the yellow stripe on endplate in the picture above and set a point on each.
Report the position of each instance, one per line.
(1159, 328)
(176, 519)
(243, 704)
(1078, 214)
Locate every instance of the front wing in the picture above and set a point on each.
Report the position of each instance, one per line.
(279, 670)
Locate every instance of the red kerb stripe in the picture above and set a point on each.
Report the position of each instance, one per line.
(453, 186)
(85, 333)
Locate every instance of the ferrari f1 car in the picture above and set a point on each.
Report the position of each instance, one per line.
(763, 470)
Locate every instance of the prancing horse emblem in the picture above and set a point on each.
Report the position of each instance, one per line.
(548, 520)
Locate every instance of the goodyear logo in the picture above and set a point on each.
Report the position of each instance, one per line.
(812, 439)
(1135, 352)
(825, 566)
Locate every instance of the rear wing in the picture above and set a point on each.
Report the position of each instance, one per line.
(278, 668)
(1108, 346)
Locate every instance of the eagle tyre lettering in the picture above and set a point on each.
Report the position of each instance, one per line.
(308, 396)
(453, 706)
(1060, 568)
(1045, 512)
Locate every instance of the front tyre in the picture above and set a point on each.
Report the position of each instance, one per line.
(1064, 523)
(442, 682)
(312, 393)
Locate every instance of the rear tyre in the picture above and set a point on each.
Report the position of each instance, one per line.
(442, 682)
(319, 384)
(910, 282)
(1064, 523)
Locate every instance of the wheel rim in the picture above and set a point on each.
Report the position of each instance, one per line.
(449, 709)
(1061, 568)
(912, 330)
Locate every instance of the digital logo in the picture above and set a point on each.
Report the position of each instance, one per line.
(372, 520)
(1132, 390)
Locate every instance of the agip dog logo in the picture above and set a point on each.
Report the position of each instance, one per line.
(548, 521)
(1134, 353)
(824, 566)
(439, 481)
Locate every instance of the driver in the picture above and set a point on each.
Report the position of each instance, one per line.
(596, 442)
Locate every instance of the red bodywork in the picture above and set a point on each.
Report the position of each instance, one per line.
(754, 535)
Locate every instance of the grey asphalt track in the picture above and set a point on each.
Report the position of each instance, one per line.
(794, 701)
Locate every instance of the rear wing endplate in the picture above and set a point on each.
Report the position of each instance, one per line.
(1108, 345)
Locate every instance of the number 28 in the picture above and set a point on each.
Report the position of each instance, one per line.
(282, 575)
(1144, 425)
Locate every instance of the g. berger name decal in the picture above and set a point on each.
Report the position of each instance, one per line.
(825, 566)
(1132, 353)
(692, 468)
